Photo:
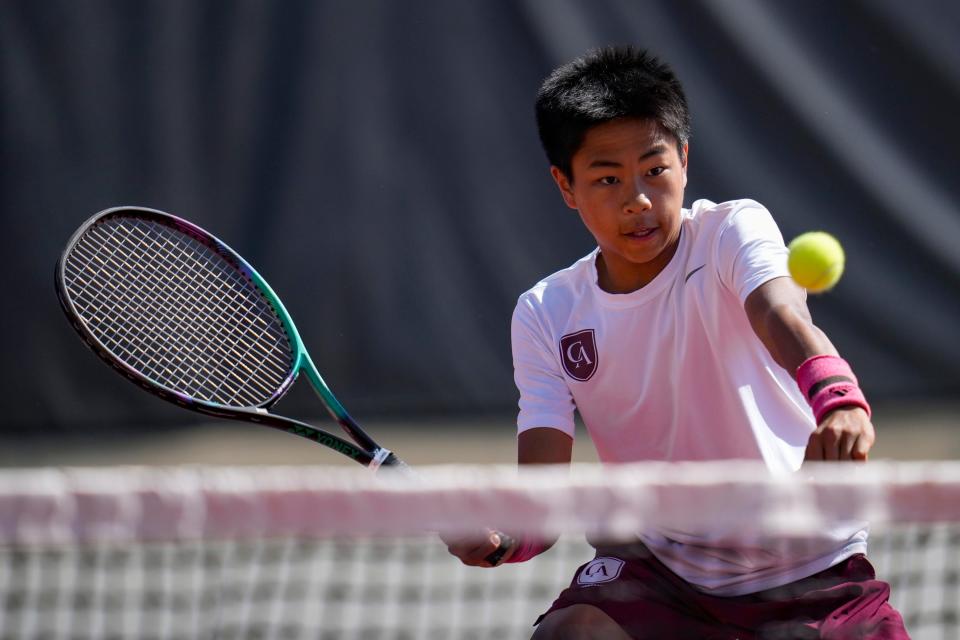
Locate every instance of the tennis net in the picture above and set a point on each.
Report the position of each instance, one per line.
(337, 553)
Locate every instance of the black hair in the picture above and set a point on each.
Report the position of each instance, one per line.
(604, 84)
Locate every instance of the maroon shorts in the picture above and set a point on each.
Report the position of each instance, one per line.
(845, 602)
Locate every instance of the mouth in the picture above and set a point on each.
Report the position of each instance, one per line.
(641, 233)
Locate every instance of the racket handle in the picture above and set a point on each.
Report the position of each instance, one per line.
(506, 543)
(393, 461)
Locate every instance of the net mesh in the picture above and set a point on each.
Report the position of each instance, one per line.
(177, 311)
(314, 553)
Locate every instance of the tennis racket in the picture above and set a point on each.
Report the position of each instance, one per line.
(182, 315)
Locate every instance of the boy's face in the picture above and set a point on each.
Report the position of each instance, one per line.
(628, 180)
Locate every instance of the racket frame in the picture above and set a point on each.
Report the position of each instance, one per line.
(366, 451)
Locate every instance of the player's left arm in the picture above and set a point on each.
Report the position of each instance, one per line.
(778, 313)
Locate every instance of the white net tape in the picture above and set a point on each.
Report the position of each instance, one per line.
(342, 553)
(143, 503)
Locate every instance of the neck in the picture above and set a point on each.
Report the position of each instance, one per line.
(630, 278)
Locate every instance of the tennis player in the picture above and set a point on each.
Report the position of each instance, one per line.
(681, 337)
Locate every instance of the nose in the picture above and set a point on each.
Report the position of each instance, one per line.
(637, 202)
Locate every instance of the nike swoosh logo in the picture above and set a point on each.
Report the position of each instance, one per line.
(693, 272)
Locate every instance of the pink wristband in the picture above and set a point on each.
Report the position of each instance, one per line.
(526, 549)
(827, 383)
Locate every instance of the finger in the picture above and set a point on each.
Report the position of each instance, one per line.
(846, 445)
(480, 549)
(463, 548)
(503, 544)
(476, 552)
(483, 551)
(471, 558)
(466, 541)
(863, 445)
(831, 445)
(508, 546)
(814, 448)
(459, 545)
(482, 559)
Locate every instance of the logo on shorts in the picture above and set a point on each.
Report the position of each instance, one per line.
(600, 570)
(578, 352)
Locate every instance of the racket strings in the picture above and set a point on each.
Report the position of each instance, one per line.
(227, 295)
(237, 312)
(178, 312)
(190, 295)
(184, 366)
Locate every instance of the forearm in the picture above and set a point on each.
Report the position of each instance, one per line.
(792, 338)
(779, 316)
(538, 447)
(544, 446)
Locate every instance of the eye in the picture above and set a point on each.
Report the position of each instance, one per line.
(608, 180)
(656, 171)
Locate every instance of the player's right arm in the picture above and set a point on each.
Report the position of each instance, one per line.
(545, 426)
(534, 447)
(544, 446)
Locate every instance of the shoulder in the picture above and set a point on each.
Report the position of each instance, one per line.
(718, 216)
(733, 222)
(559, 290)
(743, 242)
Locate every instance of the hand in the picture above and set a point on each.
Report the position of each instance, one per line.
(474, 550)
(846, 433)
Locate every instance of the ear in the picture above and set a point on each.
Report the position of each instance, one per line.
(686, 156)
(565, 186)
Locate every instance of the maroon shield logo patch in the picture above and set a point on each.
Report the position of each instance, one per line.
(578, 352)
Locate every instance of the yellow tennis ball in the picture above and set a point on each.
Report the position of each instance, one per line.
(816, 261)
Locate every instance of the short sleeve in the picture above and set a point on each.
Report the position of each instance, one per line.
(545, 399)
(750, 250)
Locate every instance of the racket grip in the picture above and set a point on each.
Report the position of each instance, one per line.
(393, 461)
(506, 543)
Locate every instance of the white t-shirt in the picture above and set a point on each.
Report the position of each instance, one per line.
(674, 372)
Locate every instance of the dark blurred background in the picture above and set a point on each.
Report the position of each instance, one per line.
(377, 161)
